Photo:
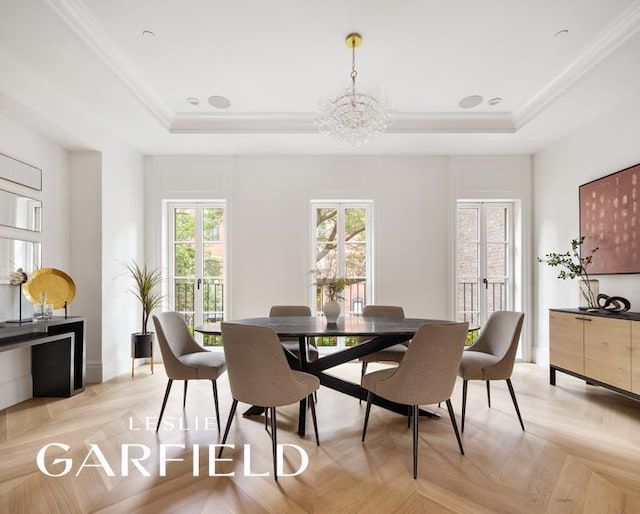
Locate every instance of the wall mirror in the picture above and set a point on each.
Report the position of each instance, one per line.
(20, 211)
(20, 172)
(17, 253)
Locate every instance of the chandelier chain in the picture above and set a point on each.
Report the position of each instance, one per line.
(354, 73)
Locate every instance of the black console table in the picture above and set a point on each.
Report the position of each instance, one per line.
(57, 353)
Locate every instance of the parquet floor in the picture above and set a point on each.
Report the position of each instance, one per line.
(580, 453)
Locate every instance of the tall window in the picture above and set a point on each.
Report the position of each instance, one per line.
(196, 262)
(484, 260)
(341, 247)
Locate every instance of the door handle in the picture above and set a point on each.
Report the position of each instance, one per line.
(198, 283)
(486, 283)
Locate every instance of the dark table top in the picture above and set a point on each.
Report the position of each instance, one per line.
(317, 326)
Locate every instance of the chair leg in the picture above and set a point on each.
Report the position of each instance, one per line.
(274, 442)
(366, 415)
(215, 402)
(464, 402)
(184, 395)
(455, 425)
(515, 402)
(234, 404)
(410, 408)
(488, 394)
(313, 416)
(416, 417)
(164, 402)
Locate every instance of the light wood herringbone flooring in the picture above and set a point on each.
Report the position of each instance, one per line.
(580, 453)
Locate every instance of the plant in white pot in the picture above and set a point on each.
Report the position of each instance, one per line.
(147, 290)
(573, 265)
(333, 286)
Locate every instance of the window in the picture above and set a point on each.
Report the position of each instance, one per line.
(342, 247)
(484, 263)
(196, 262)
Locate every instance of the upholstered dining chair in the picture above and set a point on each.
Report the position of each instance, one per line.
(260, 375)
(394, 353)
(492, 356)
(426, 375)
(291, 343)
(184, 359)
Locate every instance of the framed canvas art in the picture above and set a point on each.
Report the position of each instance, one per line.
(610, 220)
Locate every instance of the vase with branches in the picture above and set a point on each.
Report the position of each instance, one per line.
(334, 286)
(572, 265)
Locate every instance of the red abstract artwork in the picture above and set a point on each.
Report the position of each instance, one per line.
(610, 220)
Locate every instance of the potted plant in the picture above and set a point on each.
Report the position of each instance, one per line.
(573, 265)
(147, 291)
(334, 286)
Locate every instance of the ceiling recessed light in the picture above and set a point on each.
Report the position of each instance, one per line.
(220, 102)
(193, 101)
(561, 33)
(470, 101)
(494, 101)
(148, 34)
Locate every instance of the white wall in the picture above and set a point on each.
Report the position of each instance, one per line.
(26, 145)
(269, 219)
(605, 145)
(93, 219)
(505, 178)
(107, 220)
(123, 239)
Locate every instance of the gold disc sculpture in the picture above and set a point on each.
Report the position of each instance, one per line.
(51, 284)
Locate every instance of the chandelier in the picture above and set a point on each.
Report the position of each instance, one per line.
(353, 117)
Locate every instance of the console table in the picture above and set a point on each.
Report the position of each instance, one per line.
(602, 348)
(57, 353)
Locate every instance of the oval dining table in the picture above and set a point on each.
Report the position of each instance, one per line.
(380, 333)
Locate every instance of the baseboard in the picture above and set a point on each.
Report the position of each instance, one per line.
(93, 374)
(15, 391)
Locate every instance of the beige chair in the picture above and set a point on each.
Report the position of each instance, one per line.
(260, 375)
(291, 343)
(426, 375)
(493, 355)
(184, 359)
(394, 353)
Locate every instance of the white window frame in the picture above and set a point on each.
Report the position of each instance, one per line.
(199, 205)
(482, 254)
(341, 206)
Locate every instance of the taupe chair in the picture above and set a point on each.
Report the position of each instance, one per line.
(493, 355)
(260, 375)
(394, 353)
(184, 359)
(426, 375)
(291, 343)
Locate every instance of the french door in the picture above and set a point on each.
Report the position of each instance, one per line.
(342, 247)
(197, 261)
(484, 260)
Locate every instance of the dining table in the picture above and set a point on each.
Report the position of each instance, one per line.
(374, 334)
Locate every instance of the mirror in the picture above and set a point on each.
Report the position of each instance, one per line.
(20, 172)
(17, 253)
(20, 211)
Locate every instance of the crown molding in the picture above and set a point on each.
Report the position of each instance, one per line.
(625, 26)
(303, 123)
(75, 14)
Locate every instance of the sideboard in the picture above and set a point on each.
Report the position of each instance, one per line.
(602, 348)
(58, 361)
